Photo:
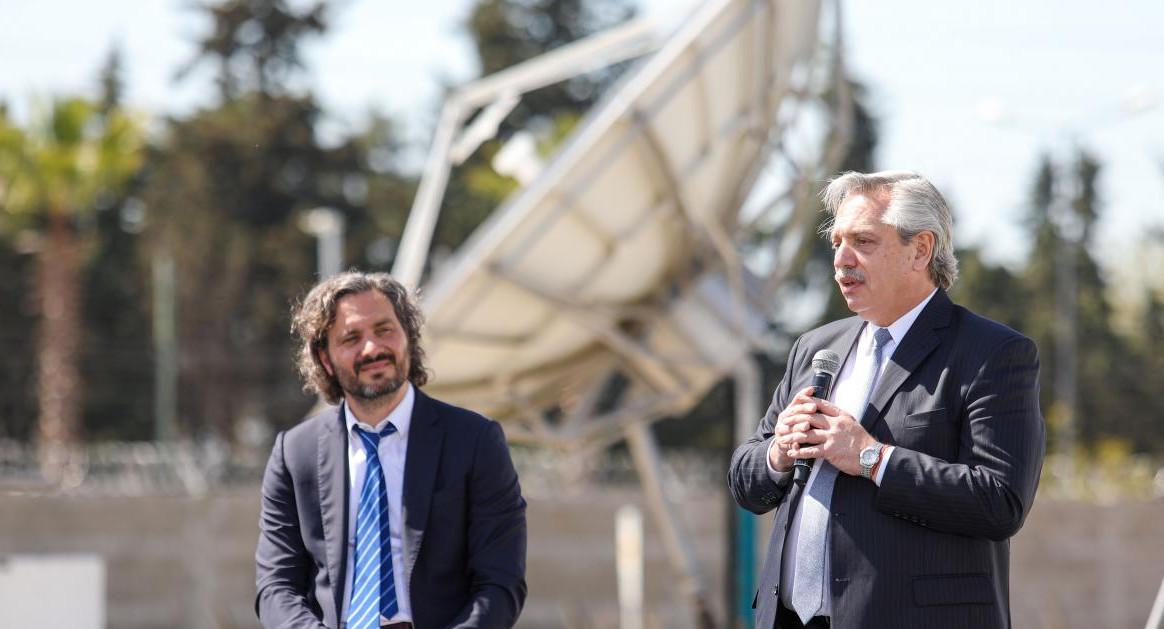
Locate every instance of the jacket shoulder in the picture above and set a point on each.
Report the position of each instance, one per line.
(833, 328)
(456, 417)
(986, 331)
(306, 432)
(829, 332)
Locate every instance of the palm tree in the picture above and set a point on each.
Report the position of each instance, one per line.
(52, 175)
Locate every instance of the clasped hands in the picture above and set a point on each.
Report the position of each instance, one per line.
(812, 428)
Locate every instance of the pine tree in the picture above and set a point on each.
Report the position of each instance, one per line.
(225, 192)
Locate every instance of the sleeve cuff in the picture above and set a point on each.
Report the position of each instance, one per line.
(880, 467)
(780, 478)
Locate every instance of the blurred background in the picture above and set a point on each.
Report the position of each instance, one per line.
(174, 175)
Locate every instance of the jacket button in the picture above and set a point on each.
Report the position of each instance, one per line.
(776, 591)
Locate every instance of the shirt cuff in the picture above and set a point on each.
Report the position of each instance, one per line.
(780, 478)
(881, 467)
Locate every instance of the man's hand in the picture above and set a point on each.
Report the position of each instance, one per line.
(791, 426)
(828, 433)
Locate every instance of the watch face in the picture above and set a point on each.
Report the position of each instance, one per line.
(869, 456)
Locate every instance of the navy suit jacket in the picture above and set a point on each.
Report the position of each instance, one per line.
(464, 523)
(929, 547)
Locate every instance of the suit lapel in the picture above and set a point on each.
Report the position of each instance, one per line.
(333, 498)
(425, 438)
(846, 342)
(919, 342)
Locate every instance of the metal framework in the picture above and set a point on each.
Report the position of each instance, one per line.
(618, 261)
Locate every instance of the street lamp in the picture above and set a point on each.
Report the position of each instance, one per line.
(327, 225)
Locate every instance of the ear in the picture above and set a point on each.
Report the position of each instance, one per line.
(322, 354)
(923, 251)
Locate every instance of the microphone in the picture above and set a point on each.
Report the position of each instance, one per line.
(825, 365)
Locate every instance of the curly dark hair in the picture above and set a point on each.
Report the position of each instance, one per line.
(315, 314)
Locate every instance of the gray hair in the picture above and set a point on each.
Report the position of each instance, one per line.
(915, 205)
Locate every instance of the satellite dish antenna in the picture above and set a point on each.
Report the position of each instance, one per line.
(609, 291)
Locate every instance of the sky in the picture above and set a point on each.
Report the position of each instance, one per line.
(968, 94)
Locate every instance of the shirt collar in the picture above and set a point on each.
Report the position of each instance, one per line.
(898, 328)
(401, 416)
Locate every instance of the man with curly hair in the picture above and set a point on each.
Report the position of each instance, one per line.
(394, 509)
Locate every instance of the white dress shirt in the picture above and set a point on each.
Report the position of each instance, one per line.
(849, 395)
(392, 451)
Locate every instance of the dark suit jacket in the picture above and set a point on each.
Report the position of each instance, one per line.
(464, 523)
(929, 546)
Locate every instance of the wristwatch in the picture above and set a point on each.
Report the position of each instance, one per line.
(870, 457)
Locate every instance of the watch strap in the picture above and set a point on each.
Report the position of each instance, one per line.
(868, 470)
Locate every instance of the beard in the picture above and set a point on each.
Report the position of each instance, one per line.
(349, 380)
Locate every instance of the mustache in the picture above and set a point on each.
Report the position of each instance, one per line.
(388, 356)
(849, 274)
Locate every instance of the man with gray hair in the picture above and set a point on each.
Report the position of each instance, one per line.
(926, 453)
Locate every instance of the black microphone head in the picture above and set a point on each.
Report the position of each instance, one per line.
(826, 360)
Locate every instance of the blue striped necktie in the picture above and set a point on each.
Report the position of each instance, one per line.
(373, 588)
(808, 586)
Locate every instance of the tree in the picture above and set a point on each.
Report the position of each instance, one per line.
(53, 174)
(1068, 314)
(17, 338)
(256, 44)
(223, 195)
(117, 355)
(990, 290)
(225, 190)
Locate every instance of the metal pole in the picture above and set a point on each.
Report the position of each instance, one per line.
(747, 402)
(327, 225)
(625, 42)
(422, 218)
(628, 543)
(648, 462)
(165, 348)
(1156, 616)
(1067, 313)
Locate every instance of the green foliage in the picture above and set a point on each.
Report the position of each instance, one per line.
(112, 82)
(1118, 374)
(69, 156)
(225, 191)
(256, 44)
(72, 158)
(117, 347)
(221, 194)
(223, 188)
(817, 259)
(224, 194)
(1104, 471)
(991, 291)
(18, 408)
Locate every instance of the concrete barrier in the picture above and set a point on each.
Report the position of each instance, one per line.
(182, 562)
